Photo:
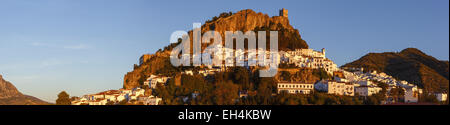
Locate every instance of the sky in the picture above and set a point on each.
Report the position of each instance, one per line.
(87, 46)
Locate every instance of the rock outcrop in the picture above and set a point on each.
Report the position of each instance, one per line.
(249, 20)
(9, 95)
(7, 89)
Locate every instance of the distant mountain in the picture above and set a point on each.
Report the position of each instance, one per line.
(9, 95)
(411, 65)
(244, 20)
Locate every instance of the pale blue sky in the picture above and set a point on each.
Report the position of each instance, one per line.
(86, 46)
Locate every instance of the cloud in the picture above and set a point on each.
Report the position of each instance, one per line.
(71, 47)
(84, 62)
(36, 44)
(31, 77)
(77, 47)
(40, 44)
(51, 62)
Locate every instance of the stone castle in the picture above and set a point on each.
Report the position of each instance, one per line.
(284, 12)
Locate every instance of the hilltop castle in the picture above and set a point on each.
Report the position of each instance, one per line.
(284, 12)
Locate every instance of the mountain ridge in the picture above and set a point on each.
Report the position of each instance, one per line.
(411, 65)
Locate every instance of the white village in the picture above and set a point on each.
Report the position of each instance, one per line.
(345, 81)
(352, 81)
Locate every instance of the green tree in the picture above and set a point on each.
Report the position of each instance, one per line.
(397, 93)
(110, 103)
(372, 100)
(63, 99)
(430, 98)
(123, 102)
(241, 77)
(321, 73)
(225, 93)
(266, 86)
(286, 75)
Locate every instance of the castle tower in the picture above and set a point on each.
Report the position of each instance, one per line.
(284, 12)
(144, 58)
(323, 51)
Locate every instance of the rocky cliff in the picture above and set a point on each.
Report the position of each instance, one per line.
(159, 63)
(9, 95)
(7, 90)
(244, 20)
(248, 20)
(411, 65)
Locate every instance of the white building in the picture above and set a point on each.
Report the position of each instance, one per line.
(367, 90)
(295, 87)
(117, 96)
(188, 72)
(336, 88)
(150, 100)
(98, 102)
(154, 80)
(442, 97)
(411, 94)
(138, 91)
(121, 97)
(366, 83)
(125, 91)
(96, 96)
(309, 58)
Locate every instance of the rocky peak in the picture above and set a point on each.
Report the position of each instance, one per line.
(247, 20)
(7, 89)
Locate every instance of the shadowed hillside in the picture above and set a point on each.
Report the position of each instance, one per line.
(411, 65)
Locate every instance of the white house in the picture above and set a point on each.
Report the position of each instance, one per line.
(411, 94)
(188, 72)
(98, 102)
(308, 58)
(121, 97)
(442, 97)
(151, 100)
(126, 91)
(96, 96)
(138, 91)
(153, 80)
(366, 83)
(367, 90)
(334, 87)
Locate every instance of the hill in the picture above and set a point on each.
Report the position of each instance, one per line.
(9, 95)
(411, 65)
(244, 20)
